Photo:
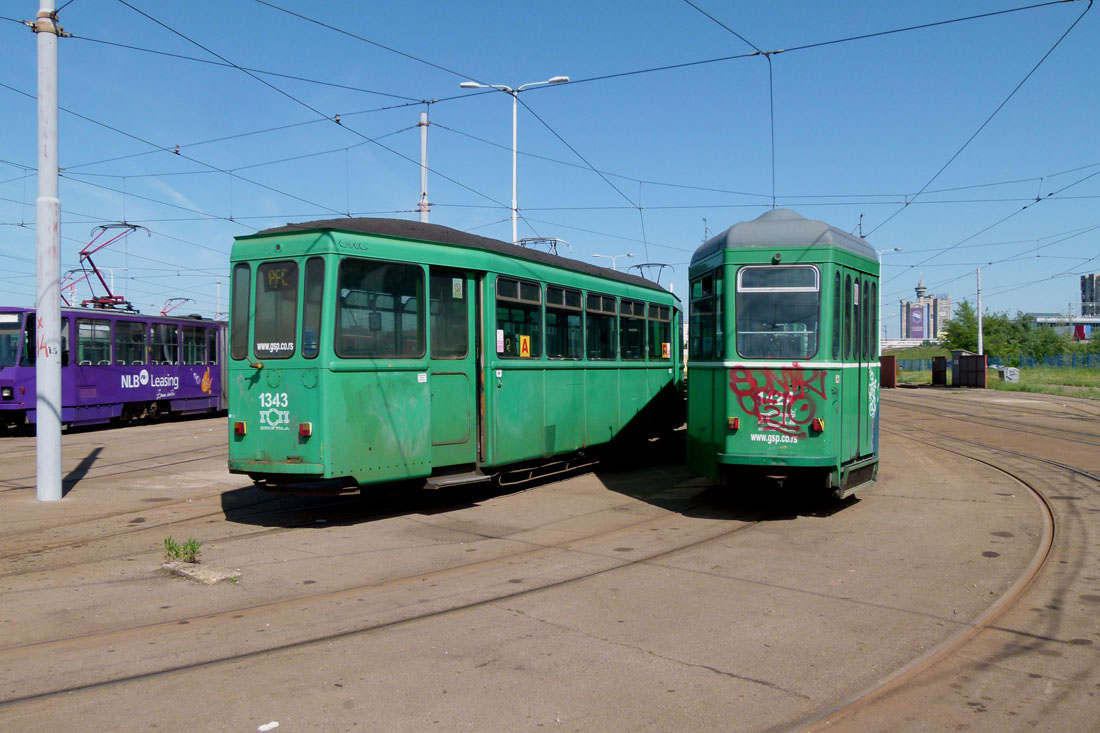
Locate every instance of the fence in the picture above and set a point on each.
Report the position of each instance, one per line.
(1060, 361)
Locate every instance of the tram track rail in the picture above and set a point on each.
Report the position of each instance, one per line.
(497, 592)
(1015, 426)
(1002, 605)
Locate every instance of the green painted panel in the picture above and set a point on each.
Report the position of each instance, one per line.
(601, 405)
(452, 408)
(378, 425)
(704, 411)
(565, 400)
(518, 415)
(272, 402)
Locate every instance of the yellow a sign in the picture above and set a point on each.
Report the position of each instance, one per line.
(525, 346)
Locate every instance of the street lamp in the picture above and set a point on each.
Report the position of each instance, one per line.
(515, 96)
(613, 258)
(882, 252)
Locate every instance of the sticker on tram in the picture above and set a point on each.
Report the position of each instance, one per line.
(524, 346)
(666, 350)
(272, 418)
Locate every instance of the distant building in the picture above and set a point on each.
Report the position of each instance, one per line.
(1090, 295)
(926, 317)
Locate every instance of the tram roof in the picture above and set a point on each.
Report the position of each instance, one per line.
(783, 228)
(420, 231)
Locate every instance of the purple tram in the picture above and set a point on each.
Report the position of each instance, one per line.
(116, 366)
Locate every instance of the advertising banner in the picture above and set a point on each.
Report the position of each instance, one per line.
(917, 323)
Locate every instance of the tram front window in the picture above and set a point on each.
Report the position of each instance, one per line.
(777, 312)
(10, 334)
(276, 318)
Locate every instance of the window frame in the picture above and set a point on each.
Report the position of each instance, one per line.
(741, 290)
(601, 312)
(313, 309)
(523, 301)
(433, 326)
(240, 310)
(565, 310)
(664, 317)
(95, 324)
(421, 321)
(624, 322)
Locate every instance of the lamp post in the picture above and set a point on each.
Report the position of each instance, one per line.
(515, 96)
(613, 258)
(882, 252)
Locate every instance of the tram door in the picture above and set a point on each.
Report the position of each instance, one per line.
(453, 349)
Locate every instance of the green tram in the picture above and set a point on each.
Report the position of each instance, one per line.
(370, 351)
(783, 355)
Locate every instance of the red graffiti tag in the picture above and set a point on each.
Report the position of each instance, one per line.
(781, 400)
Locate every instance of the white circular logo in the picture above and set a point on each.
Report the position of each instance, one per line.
(143, 377)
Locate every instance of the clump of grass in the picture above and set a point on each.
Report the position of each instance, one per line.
(187, 552)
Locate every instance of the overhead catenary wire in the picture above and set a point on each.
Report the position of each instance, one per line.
(989, 119)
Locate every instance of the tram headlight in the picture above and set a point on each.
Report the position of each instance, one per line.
(6, 393)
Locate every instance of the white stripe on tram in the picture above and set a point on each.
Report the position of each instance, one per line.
(776, 364)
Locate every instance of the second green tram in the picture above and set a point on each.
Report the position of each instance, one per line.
(370, 351)
(783, 363)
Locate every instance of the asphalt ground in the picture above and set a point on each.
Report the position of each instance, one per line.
(635, 597)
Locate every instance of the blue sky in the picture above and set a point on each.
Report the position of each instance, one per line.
(945, 117)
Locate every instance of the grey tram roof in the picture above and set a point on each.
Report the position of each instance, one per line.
(406, 229)
(783, 228)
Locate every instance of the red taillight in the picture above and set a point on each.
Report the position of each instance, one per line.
(819, 424)
(239, 428)
(305, 429)
(733, 423)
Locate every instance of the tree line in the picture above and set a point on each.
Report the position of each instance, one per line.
(1007, 337)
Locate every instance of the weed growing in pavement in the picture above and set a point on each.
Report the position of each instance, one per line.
(187, 552)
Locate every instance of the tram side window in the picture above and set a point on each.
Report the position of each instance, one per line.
(701, 320)
(564, 337)
(93, 341)
(519, 318)
(875, 326)
(599, 324)
(194, 345)
(866, 320)
(854, 318)
(778, 311)
(30, 346)
(847, 315)
(660, 332)
(166, 348)
(9, 339)
(311, 307)
(212, 345)
(378, 313)
(631, 330)
(276, 312)
(837, 315)
(131, 338)
(450, 328)
(242, 305)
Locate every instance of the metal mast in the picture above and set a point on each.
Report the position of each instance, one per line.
(423, 205)
(48, 263)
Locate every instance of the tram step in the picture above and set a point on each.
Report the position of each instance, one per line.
(454, 479)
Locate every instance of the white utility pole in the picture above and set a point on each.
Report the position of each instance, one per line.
(515, 101)
(981, 349)
(48, 264)
(423, 205)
